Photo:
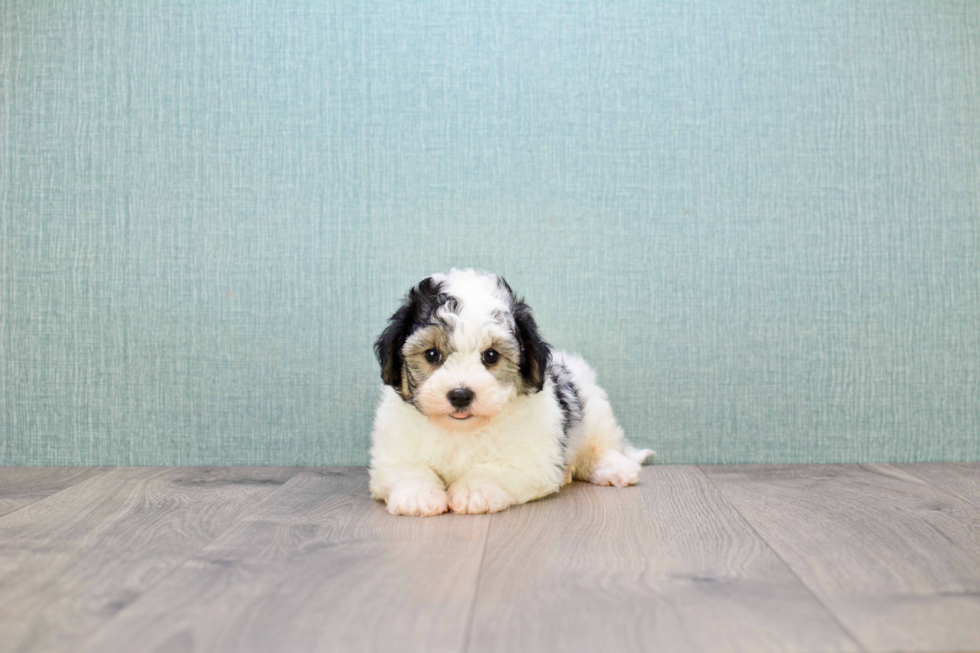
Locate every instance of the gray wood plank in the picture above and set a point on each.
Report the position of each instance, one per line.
(21, 486)
(666, 565)
(897, 560)
(71, 561)
(961, 479)
(321, 567)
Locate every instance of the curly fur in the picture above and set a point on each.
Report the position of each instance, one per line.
(537, 418)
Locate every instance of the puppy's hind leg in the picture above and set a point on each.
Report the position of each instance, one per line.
(615, 462)
(615, 468)
(602, 454)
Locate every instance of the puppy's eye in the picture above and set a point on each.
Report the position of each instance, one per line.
(490, 357)
(433, 356)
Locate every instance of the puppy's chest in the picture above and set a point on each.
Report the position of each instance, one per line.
(454, 454)
(521, 448)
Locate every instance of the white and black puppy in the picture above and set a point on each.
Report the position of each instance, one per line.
(477, 413)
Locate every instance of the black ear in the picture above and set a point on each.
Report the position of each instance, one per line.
(415, 310)
(535, 352)
(388, 346)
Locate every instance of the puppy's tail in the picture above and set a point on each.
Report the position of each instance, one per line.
(639, 455)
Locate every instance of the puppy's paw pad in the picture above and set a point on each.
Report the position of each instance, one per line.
(476, 499)
(615, 469)
(417, 501)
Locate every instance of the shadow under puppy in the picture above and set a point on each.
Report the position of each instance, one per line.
(478, 413)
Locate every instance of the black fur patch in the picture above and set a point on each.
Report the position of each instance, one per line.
(417, 310)
(567, 394)
(535, 352)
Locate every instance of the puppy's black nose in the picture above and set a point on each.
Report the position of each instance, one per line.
(460, 397)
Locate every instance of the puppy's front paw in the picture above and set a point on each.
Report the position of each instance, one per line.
(615, 469)
(417, 500)
(476, 498)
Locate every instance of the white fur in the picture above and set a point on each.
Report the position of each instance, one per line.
(424, 462)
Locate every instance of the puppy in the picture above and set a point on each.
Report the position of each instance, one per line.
(477, 412)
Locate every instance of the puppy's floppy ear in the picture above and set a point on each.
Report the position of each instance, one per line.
(388, 346)
(414, 310)
(535, 352)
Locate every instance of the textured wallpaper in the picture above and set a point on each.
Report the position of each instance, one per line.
(760, 221)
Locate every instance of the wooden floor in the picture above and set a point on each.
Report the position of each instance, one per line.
(795, 558)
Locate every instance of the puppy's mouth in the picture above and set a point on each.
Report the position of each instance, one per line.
(460, 416)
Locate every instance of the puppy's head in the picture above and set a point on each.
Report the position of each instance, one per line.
(460, 347)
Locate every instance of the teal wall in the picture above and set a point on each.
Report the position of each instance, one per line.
(759, 220)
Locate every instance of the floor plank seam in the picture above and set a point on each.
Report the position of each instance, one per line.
(789, 567)
(50, 496)
(952, 493)
(98, 629)
(476, 587)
